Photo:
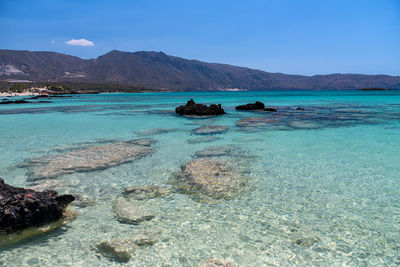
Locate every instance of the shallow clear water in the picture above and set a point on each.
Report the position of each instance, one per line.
(323, 184)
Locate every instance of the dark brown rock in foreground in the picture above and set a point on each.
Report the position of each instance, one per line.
(22, 208)
(252, 106)
(191, 108)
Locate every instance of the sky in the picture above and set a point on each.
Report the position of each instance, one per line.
(290, 36)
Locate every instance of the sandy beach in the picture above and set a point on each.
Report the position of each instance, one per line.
(10, 94)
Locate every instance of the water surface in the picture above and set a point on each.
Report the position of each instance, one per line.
(322, 183)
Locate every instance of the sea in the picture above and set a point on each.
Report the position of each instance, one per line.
(319, 178)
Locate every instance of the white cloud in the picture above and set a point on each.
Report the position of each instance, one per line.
(52, 41)
(80, 42)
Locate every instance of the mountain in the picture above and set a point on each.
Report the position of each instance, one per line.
(156, 70)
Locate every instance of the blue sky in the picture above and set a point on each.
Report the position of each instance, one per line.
(298, 37)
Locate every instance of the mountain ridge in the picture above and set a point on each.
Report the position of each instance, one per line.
(157, 70)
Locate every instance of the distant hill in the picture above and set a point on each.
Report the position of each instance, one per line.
(156, 70)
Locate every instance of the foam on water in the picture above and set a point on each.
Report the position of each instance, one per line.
(322, 187)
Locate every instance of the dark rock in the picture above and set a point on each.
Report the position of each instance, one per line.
(14, 102)
(191, 108)
(270, 109)
(299, 108)
(22, 208)
(252, 106)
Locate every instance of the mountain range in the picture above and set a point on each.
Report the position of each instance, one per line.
(156, 70)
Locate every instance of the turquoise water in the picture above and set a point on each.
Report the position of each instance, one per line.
(322, 183)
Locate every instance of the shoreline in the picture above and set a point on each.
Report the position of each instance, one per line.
(13, 94)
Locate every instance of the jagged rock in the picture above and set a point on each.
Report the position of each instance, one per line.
(21, 208)
(146, 192)
(205, 139)
(210, 130)
(217, 263)
(131, 212)
(122, 249)
(299, 108)
(88, 159)
(252, 106)
(191, 108)
(216, 151)
(214, 177)
(270, 109)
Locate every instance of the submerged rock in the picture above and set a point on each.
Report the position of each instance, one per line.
(256, 121)
(22, 208)
(216, 151)
(122, 249)
(306, 241)
(155, 131)
(83, 201)
(217, 263)
(48, 184)
(146, 192)
(191, 108)
(131, 212)
(88, 159)
(252, 106)
(214, 177)
(210, 130)
(204, 139)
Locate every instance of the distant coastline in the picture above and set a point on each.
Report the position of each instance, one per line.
(157, 71)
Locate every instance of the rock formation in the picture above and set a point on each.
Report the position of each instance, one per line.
(22, 208)
(191, 108)
(252, 106)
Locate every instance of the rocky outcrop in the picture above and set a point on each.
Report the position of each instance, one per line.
(191, 108)
(122, 249)
(210, 130)
(88, 159)
(22, 208)
(213, 177)
(252, 106)
(271, 109)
